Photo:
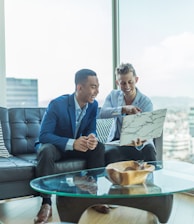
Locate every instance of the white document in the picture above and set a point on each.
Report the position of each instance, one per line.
(145, 126)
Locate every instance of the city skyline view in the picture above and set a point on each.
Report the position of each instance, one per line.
(54, 39)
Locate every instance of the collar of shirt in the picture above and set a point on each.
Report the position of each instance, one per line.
(80, 112)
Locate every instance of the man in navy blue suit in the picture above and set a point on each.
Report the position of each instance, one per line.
(68, 130)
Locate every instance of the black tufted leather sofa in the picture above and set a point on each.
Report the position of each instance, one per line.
(20, 131)
(20, 128)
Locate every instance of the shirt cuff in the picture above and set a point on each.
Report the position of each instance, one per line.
(69, 145)
(139, 148)
(117, 111)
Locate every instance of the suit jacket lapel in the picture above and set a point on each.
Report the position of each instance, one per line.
(71, 110)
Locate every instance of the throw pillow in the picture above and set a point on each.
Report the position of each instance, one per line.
(103, 127)
(3, 150)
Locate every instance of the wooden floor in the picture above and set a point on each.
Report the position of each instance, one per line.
(23, 211)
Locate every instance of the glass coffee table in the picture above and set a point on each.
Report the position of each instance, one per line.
(76, 191)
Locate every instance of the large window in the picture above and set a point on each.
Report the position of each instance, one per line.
(50, 40)
(157, 37)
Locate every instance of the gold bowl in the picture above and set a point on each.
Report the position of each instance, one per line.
(128, 172)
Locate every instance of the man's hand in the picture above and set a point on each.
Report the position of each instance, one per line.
(138, 142)
(129, 109)
(85, 143)
(80, 144)
(92, 141)
(86, 183)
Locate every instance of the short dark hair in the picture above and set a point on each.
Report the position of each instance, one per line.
(82, 75)
(124, 68)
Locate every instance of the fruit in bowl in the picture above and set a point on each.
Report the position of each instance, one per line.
(128, 172)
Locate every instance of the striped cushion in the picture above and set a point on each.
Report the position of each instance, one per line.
(103, 127)
(3, 151)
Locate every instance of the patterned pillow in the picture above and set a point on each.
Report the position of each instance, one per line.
(3, 151)
(103, 127)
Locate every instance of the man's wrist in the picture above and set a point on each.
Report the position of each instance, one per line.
(123, 110)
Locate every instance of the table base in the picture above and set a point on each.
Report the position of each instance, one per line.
(70, 209)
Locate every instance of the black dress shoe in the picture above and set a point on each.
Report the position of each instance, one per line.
(44, 214)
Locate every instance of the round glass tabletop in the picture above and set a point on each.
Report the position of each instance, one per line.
(167, 178)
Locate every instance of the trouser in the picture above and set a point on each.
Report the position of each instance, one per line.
(48, 154)
(123, 153)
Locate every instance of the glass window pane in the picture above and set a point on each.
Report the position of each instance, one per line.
(157, 37)
(51, 40)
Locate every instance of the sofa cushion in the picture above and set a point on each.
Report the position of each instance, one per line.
(25, 127)
(15, 169)
(69, 165)
(103, 127)
(30, 157)
(3, 150)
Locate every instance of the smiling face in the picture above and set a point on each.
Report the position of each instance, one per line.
(127, 83)
(86, 92)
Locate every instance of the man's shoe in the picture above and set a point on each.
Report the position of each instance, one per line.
(103, 208)
(44, 214)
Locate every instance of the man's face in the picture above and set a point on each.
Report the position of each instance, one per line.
(88, 91)
(127, 83)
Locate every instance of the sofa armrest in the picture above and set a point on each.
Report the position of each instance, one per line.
(158, 142)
